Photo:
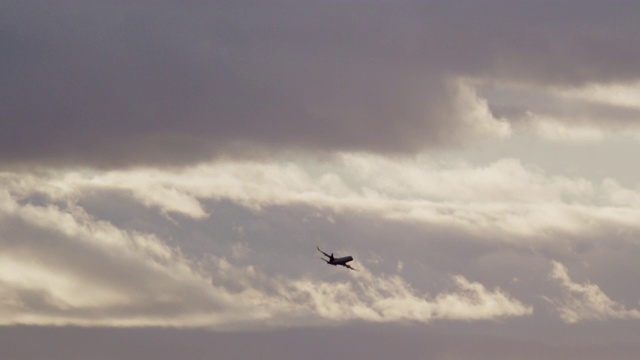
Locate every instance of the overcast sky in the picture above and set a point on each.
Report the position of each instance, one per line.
(168, 168)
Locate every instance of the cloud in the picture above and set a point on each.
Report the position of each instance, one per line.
(61, 266)
(622, 94)
(114, 85)
(55, 245)
(583, 302)
(390, 298)
(500, 200)
(554, 129)
(589, 113)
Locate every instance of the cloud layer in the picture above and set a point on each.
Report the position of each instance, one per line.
(174, 165)
(119, 84)
(65, 263)
(59, 266)
(502, 198)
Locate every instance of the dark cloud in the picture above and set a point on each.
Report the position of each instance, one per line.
(118, 83)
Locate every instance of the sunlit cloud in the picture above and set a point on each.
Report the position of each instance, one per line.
(500, 198)
(586, 114)
(617, 94)
(60, 266)
(560, 130)
(390, 298)
(581, 302)
(72, 268)
(175, 164)
(478, 122)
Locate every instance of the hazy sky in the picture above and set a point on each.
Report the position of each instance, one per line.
(168, 168)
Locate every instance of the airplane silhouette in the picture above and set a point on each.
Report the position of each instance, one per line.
(337, 261)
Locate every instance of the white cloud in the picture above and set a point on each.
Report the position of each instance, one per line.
(60, 266)
(390, 298)
(580, 302)
(501, 199)
(561, 130)
(618, 195)
(586, 114)
(618, 94)
(477, 121)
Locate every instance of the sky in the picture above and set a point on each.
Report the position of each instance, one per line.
(167, 170)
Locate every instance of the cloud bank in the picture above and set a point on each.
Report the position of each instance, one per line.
(504, 199)
(174, 165)
(62, 264)
(107, 84)
(59, 266)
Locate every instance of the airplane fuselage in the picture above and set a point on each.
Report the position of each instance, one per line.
(340, 261)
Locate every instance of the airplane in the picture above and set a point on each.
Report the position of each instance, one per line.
(339, 261)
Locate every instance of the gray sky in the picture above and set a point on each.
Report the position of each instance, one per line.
(166, 171)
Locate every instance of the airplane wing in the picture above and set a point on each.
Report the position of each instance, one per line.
(325, 254)
(349, 266)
